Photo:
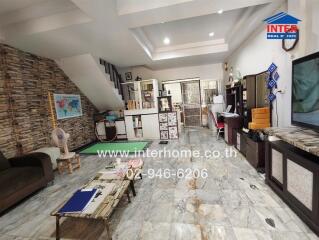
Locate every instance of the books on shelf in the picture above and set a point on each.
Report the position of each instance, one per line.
(79, 201)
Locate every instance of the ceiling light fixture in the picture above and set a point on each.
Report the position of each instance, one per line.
(166, 41)
(220, 11)
(211, 34)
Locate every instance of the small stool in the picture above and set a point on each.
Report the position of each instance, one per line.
(68, 162)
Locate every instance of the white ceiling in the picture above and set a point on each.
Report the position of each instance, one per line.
(39, 9)
(12, 5)
(194, 29)
(130, 32)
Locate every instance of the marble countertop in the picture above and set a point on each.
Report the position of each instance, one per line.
(304, 139)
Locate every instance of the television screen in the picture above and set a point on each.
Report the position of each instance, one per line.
(305, 91)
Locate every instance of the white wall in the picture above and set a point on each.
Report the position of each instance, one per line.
(204, 72)
(255, 56)
(257, 53)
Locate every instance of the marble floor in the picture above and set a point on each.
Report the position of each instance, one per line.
(232, 203)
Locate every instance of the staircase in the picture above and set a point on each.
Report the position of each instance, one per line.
(98, 80)
(115, 77)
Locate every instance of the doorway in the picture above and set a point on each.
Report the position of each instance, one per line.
(191, 97)
(186, 97)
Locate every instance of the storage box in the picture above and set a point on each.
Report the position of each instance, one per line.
(260, 110)
(261, 121)
(260, 116)
(254, 126)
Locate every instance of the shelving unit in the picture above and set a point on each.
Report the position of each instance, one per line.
(145, 111)
(143, 93)
(234, 97)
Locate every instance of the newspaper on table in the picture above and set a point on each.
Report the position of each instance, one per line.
(104, 189)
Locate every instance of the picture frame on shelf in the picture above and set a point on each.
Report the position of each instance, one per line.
(128, 76)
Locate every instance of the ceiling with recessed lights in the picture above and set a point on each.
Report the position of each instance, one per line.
(194, 29)
(132, 32)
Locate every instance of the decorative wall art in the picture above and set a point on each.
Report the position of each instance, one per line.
(171, 119)
(162, 117)
(168, 125)
(173, 132)
(273, 77)
(163, 126)
(128, 76)
(164, 135)
(67, 106)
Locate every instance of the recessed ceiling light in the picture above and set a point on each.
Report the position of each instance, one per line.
(166, 41)
(220, 11)
(211, 34)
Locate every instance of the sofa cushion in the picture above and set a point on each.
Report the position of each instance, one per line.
(14, 180)
(4, 163)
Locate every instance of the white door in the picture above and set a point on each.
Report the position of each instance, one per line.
(150, 126)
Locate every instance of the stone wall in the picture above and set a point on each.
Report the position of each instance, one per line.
(25, 79)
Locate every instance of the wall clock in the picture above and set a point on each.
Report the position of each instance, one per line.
(292, 45)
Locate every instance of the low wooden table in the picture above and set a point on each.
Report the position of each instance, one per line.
(103, 210)
(122, 184)
(68, 162)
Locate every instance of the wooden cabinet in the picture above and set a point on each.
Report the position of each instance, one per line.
(144, 126)
(241, 141)
(251, 91)
(120, 129)
(255, 153)
(234, 97)
(150, 126)
(294, 175)
(255, 94)
(129, 123)
(231, 123)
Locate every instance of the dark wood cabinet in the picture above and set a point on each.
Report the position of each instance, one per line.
(255, 92)
(262, 90)
(232, 123)
(255, 153)
(251, 91)
(294, 175)
(241, 141)
(234, 97)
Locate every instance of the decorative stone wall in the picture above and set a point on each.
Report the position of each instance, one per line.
(25, 79)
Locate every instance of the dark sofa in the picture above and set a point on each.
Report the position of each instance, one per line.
(22, 176)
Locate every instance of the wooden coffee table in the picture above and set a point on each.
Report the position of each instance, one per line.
(103, 210)
(108, 202)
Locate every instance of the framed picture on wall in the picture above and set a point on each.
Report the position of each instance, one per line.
(67, 106)
(128, 76)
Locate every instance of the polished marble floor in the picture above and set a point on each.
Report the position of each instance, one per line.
(232, 203)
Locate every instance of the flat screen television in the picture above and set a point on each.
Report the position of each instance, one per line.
(305, 92)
